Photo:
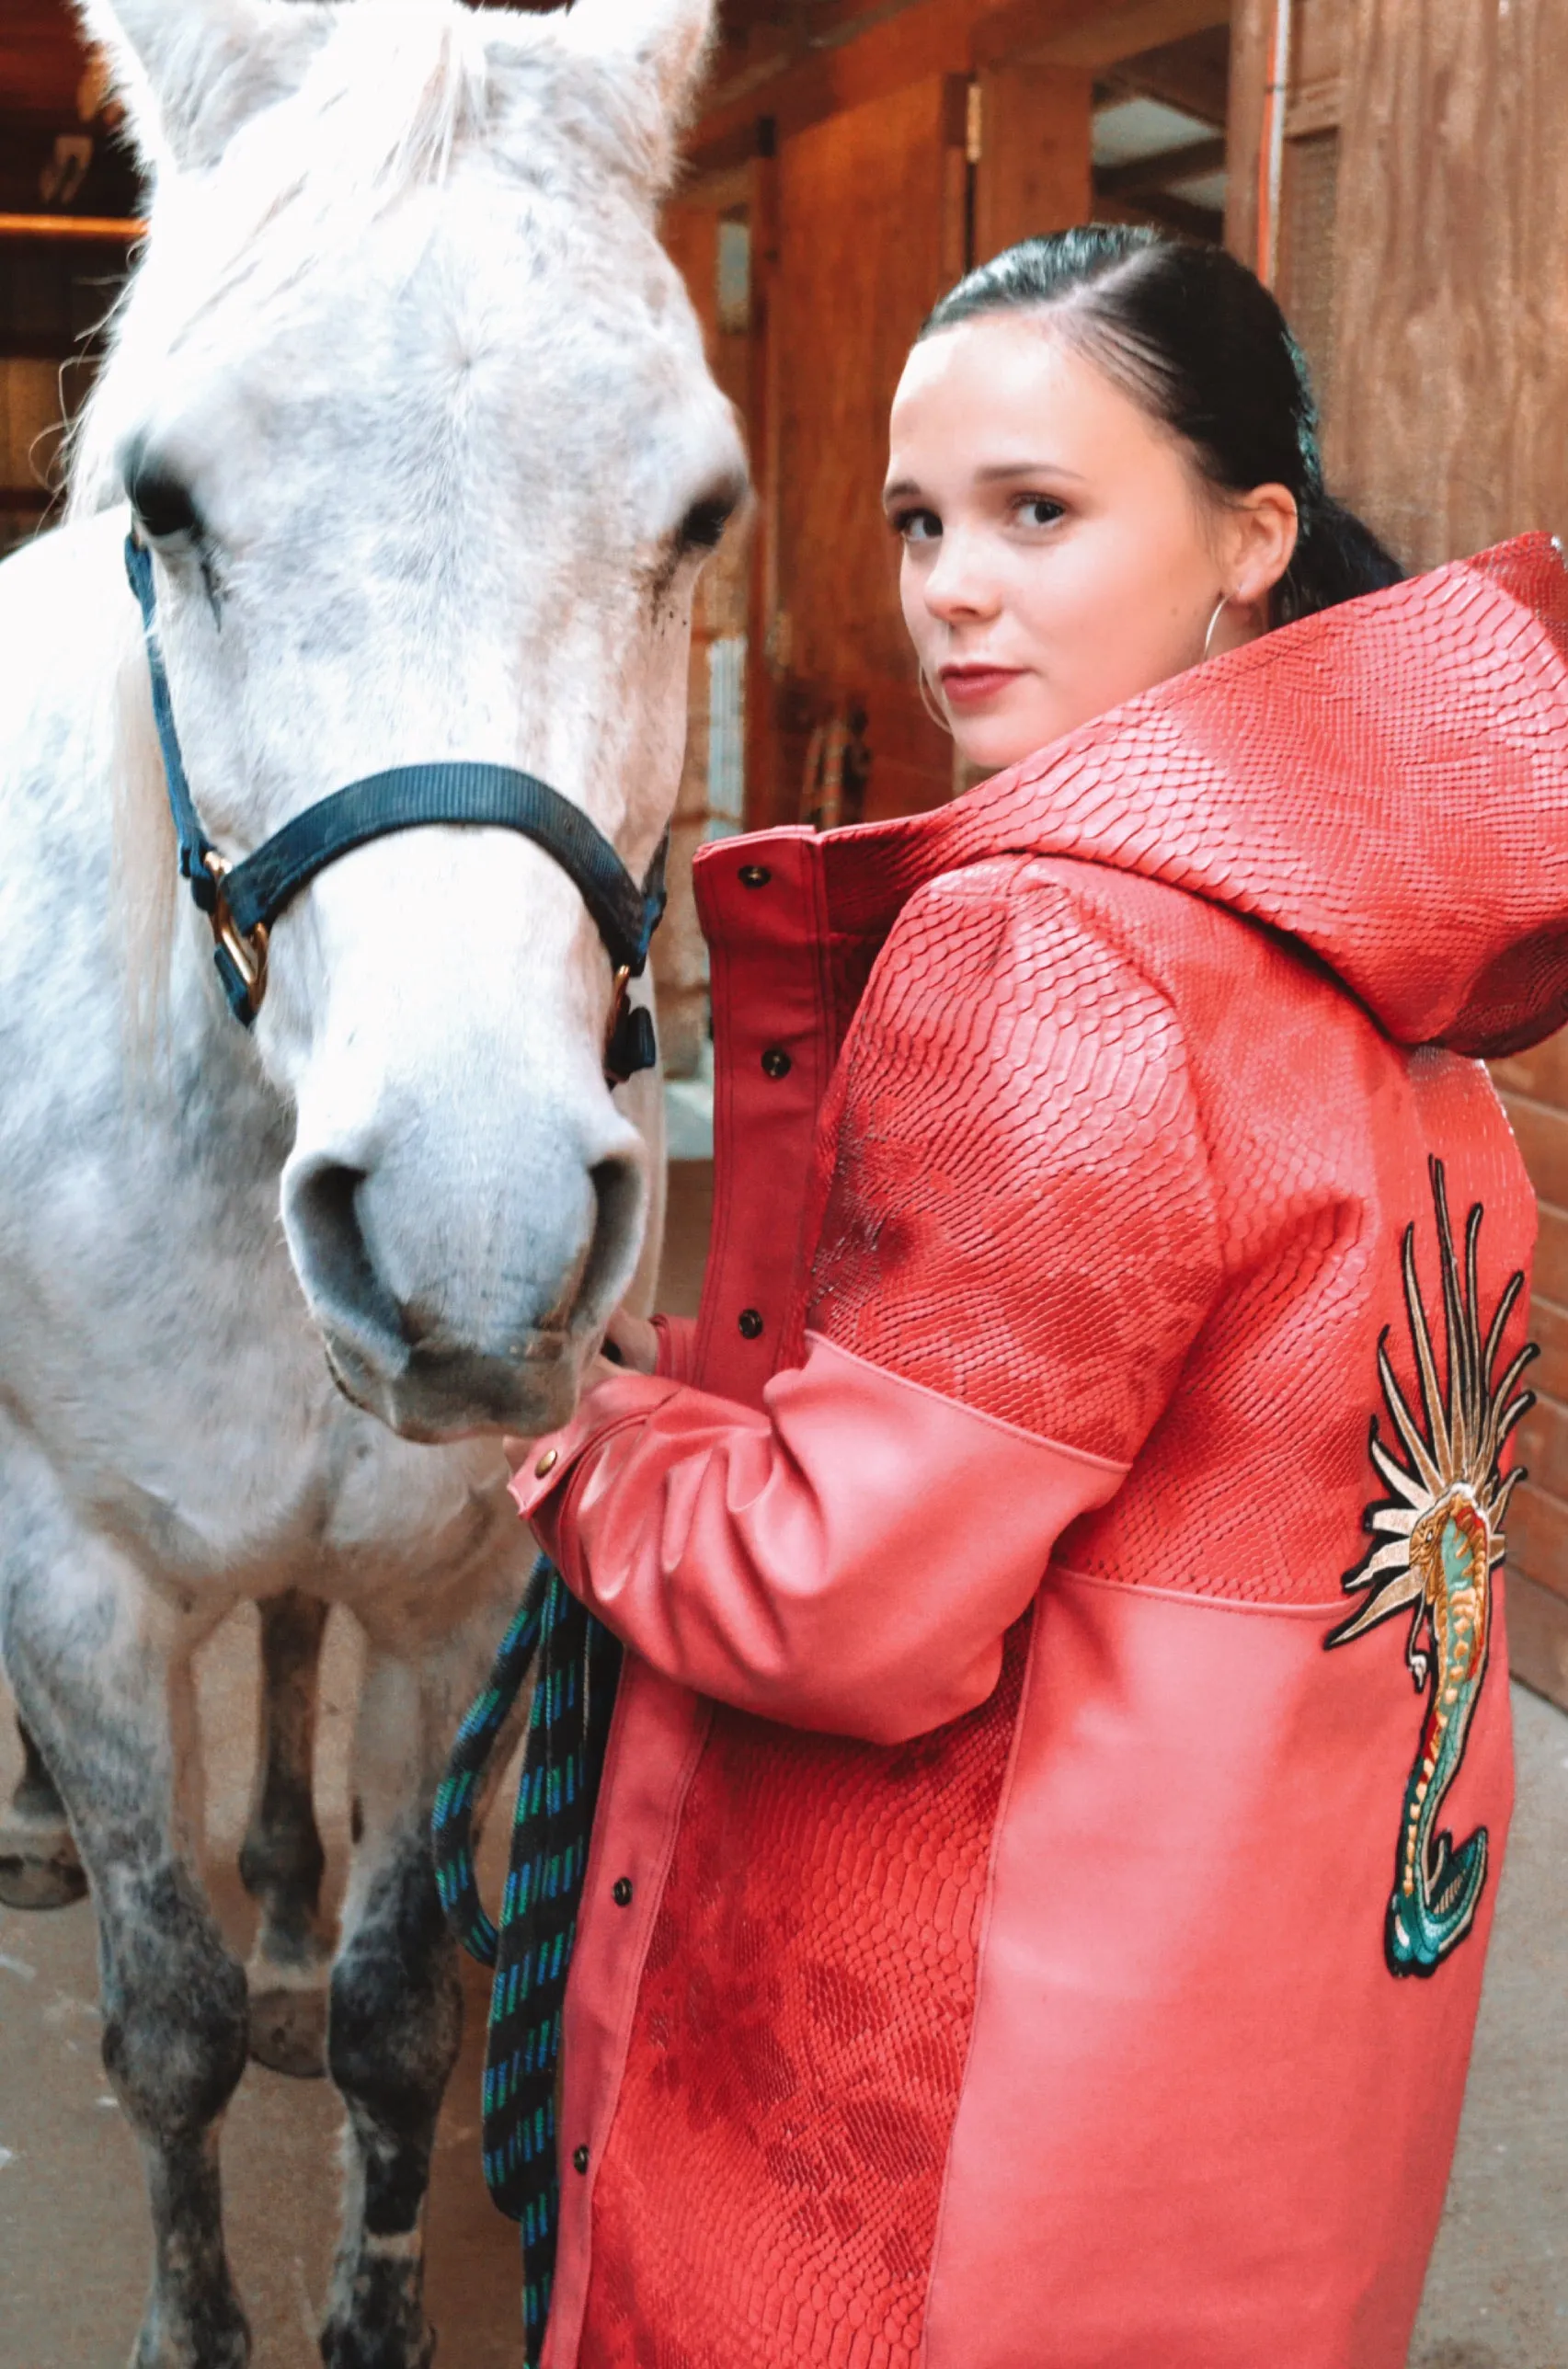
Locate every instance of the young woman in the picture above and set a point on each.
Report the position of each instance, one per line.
(1033, 1919)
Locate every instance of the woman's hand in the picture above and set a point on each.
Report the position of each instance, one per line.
(632, 1341)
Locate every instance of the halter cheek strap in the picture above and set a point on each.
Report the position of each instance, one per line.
(242, 900)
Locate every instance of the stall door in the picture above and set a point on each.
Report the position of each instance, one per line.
(869, 230)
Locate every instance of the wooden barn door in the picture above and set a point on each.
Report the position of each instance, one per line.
(872, 213)
(868, 228)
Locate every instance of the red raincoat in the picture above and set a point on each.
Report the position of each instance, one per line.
(1036, 1908)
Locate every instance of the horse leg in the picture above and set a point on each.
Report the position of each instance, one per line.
(100, 1667)
(39, 1865)
(396, 2015)
(282, 1859)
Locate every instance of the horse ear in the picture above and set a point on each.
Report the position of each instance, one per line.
(190, 72)
(664, 41)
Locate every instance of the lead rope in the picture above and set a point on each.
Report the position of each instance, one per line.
(579, 1664)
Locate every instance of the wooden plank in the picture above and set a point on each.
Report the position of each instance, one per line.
(1543, 1447)
(1193, 74)
(864, 239)
(1542, 1134)
(1541, 1072)
(43, 59)
(1251, 25)
(1106, 35)
(806, 87)
(1548, 1331)
(1452, 305)
(1538, 1637)
(72, 226)
(1537, 1538)
(869, 60)
(1034, 170)
(1551, 1256)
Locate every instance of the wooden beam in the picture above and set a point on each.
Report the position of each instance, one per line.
(1098, 37)
(72, 226)
(1141, 173)
(868, 55)
(1193, 74)
(1032, 173)
(932, 36)
(1250, 28)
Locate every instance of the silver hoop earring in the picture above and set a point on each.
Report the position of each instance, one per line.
(1219, 607)
(931, 702)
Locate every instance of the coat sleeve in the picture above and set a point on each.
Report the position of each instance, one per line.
(1016, 1246)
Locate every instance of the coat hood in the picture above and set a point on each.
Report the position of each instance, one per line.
(1386, 781)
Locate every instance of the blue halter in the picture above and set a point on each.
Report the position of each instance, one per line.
(242, 900)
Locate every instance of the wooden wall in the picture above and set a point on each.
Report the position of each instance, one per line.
(871, 229)
(1423, 252)
(860, 216)
(1450, 419)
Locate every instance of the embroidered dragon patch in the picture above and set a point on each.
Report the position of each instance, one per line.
(1438, 1539)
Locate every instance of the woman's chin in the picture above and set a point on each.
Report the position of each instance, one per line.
(991, 747)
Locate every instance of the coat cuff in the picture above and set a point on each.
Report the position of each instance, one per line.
(847, 1558)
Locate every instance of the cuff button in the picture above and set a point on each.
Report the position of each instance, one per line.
(547, 1463)
(750, 1322)
(579, 2158)
(621, 1891)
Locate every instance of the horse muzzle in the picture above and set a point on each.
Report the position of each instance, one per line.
(444, 1329)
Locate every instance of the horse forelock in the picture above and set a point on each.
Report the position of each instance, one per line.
(399, 91)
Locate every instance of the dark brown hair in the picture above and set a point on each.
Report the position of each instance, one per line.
(1196, 338)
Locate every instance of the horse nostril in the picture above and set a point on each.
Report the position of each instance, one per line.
(617, 1225)
(334, 1262)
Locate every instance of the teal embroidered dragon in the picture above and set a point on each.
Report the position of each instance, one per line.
(1436, 1540)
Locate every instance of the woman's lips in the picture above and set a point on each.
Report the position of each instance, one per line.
(971, 686)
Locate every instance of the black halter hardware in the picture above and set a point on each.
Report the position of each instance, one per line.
(242, 900)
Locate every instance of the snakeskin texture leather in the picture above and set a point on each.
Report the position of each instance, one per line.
(1061, 2036)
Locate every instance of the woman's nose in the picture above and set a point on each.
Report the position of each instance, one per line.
(959, 583)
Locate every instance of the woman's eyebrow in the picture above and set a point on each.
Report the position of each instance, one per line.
(1002, 470)
(900, 490)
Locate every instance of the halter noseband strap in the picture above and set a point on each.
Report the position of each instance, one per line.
(242, 900)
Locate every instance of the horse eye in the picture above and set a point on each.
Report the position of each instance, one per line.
(705, 522)
(163, 506)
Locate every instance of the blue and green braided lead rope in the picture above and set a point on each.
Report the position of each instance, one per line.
(574, 1695)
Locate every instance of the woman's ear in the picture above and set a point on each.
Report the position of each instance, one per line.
(1263, 528)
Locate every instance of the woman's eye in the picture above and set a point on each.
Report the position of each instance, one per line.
(1039, 510)
(918, 526)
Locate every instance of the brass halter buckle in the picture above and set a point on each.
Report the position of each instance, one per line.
(619, 997)
(248, 955)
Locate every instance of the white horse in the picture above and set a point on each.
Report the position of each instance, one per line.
(414, 412)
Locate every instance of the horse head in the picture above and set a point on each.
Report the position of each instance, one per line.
(412, 411)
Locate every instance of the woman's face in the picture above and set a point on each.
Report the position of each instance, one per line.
(1060, 551)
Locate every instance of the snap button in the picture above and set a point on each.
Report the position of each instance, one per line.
(621, 1891)
(547, 1462)
(750, 1323)
(579, 2158)
(754, 875)
(776, 1062)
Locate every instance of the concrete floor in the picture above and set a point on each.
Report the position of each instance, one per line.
(73, 2239)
